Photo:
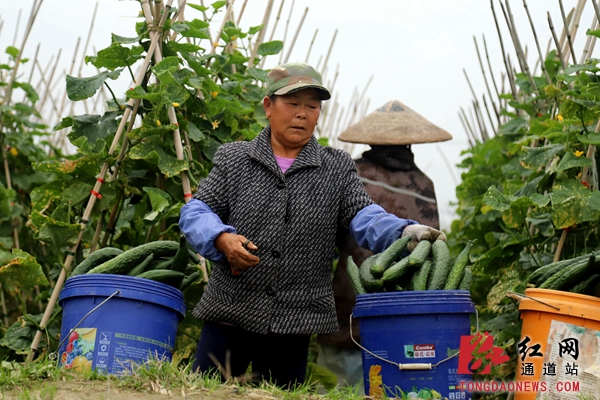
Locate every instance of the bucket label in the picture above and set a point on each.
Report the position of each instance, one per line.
(571, 358)
(419, 350)
(79, 350)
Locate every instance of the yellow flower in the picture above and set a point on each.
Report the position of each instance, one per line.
(175, 105)
(216, 44)
(214, 94)
(158, 122)
(234, 45)
(560, 118)
(233, 38)
(215, 124)
(14, 151)
(579, 153)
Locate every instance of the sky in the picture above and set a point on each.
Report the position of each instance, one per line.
(413, 51)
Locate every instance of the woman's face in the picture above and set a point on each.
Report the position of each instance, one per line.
(293, 118)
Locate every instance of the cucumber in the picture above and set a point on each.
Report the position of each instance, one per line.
(354, 275)
(141, 267)
(419, 253)
(458, 269)
(420, 276)
(370, 283)
(536, 277)
(396, 271)
(188, 280)
(194, 257)
(586, 286)
(570, 275)
(441, 265)
(122, 263)
(96, 258)
(180, 261)
(172, 278)
(161, 264)
(389, 256)
(465, 282)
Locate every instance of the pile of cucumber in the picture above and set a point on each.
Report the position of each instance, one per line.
(577, 275)
(163, 261)
(426, 267)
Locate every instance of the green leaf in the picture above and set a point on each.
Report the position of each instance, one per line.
(76, 192)
(573, 203)
(159, 200)
(593, 32)
(580, 67)
(29, 91)
(255, 29)
(83, 88)
(94, 127)
(189, 47)
(218, 4)
(590, 138)
(257, 74)
(570, 160)
(197, 29)
(23, 271)
(149, 130)
(113, 57)
(165, 69)
(124, 40)
(138, 92)
(57, 233)
(12, 51)
(536, 157)
(496, 200)
(270, 48)
(153, 153)
(514, 126)
(194, 133)
(197, 7)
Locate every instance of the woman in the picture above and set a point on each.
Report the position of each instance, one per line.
(268, 215)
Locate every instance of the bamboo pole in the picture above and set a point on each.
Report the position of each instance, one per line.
(537, 43)
(261, 34)
(476, 105)
(468, 125)
(241, 13)
(504, 58)
(43, 80)
(87, 42)
(574, 24)
(17, 28)
(487, 86)
(276, 21)
(95, 192)
(517, 43)
(296, 35)
(329, 50)
(487, 111)
(596, 9)
(588, 43)
(215, 42)
(35, 57)
(49, 82)
(568, 31)
(287, 24)
(311, 45)
(460, 117)
(556, 42)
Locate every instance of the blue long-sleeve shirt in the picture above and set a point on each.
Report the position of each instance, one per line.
(372, 228)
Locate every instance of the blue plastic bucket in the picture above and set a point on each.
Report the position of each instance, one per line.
(130, 321)
(419, 327)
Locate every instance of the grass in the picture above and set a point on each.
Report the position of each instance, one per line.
(155, 376)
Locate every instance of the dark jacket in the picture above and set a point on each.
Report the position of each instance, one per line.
(293, 219)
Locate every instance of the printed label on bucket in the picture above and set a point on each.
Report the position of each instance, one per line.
(419, 350)
(572, 355)
(79, 351)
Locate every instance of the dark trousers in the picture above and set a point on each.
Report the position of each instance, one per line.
(275, 358)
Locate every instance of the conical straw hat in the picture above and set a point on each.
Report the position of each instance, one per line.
(394, 124)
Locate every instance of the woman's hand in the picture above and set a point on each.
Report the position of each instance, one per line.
(235, 247)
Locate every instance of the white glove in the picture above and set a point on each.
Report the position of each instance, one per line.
(422, 232)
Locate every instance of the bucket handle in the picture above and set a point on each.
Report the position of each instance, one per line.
(54, 355)
(412, 366)
(519, 297)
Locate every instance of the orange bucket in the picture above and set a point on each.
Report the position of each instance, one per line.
(564, 342)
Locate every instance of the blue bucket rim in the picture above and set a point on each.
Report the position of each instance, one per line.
(130, 287)
(413, 302)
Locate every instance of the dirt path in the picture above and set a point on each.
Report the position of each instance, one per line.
(107, 391)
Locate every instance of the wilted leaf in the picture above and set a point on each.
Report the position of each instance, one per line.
(510, 281)
(22, 271)
(573, 203)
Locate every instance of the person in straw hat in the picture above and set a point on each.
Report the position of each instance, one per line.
(267, 215)
(391, 179)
